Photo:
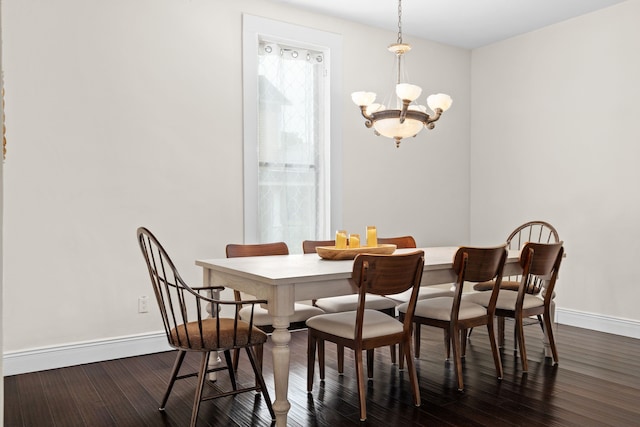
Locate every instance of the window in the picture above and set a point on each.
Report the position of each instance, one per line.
(292, 144)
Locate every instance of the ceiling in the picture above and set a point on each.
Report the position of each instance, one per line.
(464, 23)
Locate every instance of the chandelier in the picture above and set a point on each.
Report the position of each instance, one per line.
(406, 118)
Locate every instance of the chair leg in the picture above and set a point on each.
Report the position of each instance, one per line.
(260, 380)
(455, 341)
(494, 349)
(541, 322)
(311, 360)
(361, 390)
(416, 336)
(232, 376)
(447, 343)
(259, 350)
(340, 352)
(500, 331)
(392, 352)
(411, 370)
(552, 341)
(321, 358)
(463, 342)
(172, 378)
(520, 335)
(370, 364)
(401, 356)
(202, 376)
(236, 359)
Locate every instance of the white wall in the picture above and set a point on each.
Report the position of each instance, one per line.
(125, 113)
(555, 136)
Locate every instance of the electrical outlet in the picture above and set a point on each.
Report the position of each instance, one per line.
(143, 304)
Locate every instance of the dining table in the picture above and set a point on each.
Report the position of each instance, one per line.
(282, 280)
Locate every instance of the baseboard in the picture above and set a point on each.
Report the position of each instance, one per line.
(20, 362)
(41, 359)
(598, 322)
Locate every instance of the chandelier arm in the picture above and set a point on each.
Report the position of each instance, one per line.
(403, 112)
(435, 117)
(368, 119)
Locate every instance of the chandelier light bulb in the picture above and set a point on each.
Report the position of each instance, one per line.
(439, 100)
(362, 99)
(409, 92)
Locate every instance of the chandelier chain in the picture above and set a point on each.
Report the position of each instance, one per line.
(399, 21)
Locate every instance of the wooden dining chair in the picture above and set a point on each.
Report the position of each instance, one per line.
(454, 314)
(366, 329)
(189, 330)
(344, 303)
(426, 292)
(540, 263)
(532, 231)
(261, 316)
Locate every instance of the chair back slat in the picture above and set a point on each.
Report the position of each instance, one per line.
(473, 264)
(540, 263)
(259, 249)
(387, 275)
(482, 263)
(401, 242)
(309, 246)
(384, 275)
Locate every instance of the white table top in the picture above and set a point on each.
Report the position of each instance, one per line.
(306, 268)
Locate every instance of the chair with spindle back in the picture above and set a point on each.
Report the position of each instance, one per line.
(540, 263)
(189, 330)
(532, 231)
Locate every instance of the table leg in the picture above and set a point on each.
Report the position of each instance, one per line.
(281, 338)
(214, 358)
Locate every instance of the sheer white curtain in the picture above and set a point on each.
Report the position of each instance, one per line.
(291, 145)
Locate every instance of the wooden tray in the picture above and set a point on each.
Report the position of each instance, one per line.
(330, 252)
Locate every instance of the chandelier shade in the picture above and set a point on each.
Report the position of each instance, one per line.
(407, 118)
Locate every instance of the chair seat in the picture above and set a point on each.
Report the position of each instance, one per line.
(189, 337)
(261, 316)
(440, 309)
(506, 300)
(425, 292)
(343, 324)
(350, 303)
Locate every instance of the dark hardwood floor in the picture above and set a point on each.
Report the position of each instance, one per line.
(597, 383)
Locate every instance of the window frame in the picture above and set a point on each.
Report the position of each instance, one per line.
(254, 27)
